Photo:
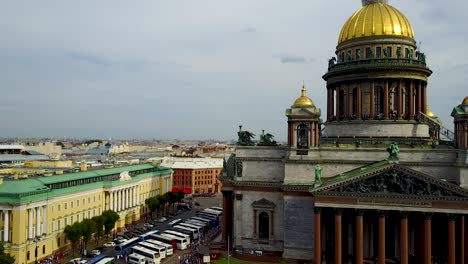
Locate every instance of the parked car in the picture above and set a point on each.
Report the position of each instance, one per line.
(148, 225)
(95, 252)
(161, 219)
(109, 244)
(77, 261)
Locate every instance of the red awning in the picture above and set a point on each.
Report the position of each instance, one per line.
(185, 190)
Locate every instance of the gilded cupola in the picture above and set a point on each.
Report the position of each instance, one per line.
(376, 18)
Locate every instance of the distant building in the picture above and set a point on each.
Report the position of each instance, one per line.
(17, 155)
(195, 175)
(34, 212)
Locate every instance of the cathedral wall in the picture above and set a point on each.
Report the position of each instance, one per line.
(299, 227)
(244, 221)
(271, 171)
(260, 152)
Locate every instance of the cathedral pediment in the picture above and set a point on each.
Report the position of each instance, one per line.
(263, 203)
(390, 180)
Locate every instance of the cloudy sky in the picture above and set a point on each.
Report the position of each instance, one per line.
(191, 69)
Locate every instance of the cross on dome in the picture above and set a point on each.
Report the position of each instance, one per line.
(368, 2)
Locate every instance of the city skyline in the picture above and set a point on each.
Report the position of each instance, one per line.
(188, 70)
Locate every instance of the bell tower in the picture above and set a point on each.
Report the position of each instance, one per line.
(460, 119)
(303, 124)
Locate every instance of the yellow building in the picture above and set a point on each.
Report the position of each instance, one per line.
(35, 211)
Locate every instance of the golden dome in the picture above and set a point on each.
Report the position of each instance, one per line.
(303, 101)
(376, 18)
(465, 101)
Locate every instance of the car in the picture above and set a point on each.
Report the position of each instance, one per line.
(109, 244)
(77, 261)
(95, 252)
(161, 219)
(148, 225)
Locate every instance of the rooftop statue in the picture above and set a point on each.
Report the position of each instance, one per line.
(267, 139)
(245, 138)
(318, 175)
(393, 150)
(331, 62)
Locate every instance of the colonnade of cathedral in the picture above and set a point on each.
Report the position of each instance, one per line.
(406, 237)
(377, 99)
(123, 199)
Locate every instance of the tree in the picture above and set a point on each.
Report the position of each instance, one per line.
(153, 204)
(110, 218)
(99, 221)
(88, 228)
(73, 233)
(171, 198)
(4, 257)
(180, 196)
(162, 200)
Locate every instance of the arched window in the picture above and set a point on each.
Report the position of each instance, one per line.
(302, 136)
(341, 106)
(355, 102)
(263, 225)
(378, 101)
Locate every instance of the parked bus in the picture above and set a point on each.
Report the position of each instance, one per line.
(180, 230)
(179, 234)
(182, 243)
(212, 217)
(145, 236)
(198, 222)
(106, 260)
(193, 232)
(160, 249)
(202, 219)
(136, 259)
(123, 248)
(168, 247)
(151, 257)
(173, 222)
(215, 212)
(176, 243)
(199, 227)
(96, 259)
(217, 208)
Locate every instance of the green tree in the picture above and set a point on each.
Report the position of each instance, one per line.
(4, 257)
(163, 201)
(180, 196)
(99, 221)
(88, 228)
(110, 218)
(153, 204)
(171, 199)
(73, 233)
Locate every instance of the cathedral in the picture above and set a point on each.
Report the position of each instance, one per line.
(379, 180)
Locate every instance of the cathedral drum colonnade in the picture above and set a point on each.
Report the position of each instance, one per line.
(381, 181)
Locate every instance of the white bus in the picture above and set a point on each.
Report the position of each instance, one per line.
(199, 227)
(214, 212)
(217, 208)
(151, 257)
(193, 231)
(179, 234)
(106, 261)
(160, 249)
(179, 243)
(168, 247)
(136, 259)
(198, 222)
(173, 222)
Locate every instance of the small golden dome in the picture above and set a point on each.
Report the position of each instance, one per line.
(429, 113)
(376, 18)
(303, 101)
(465, 101)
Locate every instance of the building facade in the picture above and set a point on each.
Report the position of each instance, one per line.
(195, 175)
(381, 181)
(35, 211)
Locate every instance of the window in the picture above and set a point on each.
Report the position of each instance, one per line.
(65, 206)
(263, 225)
(58, 242)
(389, 52)
(378, 52)
(28, 256)
(368, 53)
(302, 136)
(77, 203)
(341, 105)
(71, 204)
(378, 100)
(43, 249)
(355, 101)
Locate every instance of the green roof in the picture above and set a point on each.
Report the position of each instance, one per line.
(35, 189)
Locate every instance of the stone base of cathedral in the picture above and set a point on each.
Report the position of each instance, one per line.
(376, 128)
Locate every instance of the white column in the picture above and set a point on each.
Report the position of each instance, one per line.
(6, 229)
(30, 224)
(38, 221)
(44, 221)
(111, 200)
(119, 205)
